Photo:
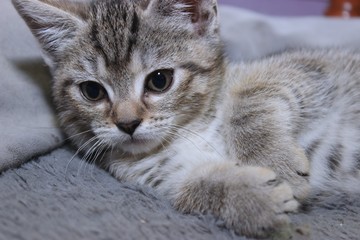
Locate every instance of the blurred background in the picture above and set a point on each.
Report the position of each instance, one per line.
(344, 8)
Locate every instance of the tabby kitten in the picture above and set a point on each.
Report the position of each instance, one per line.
(143, 87)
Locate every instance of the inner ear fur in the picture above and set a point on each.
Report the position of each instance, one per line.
(53, 22)
(202, 13)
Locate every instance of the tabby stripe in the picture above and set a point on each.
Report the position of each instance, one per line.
(157, 183)
(310, 150)
(163, 162)
(184, 86)
(135, 24)
(195, 68)
(160, 179)
(334, 157)
(150, 178)
(115, 42)
(97, 44)
(133, 36)
(145, 171)
(65, 86)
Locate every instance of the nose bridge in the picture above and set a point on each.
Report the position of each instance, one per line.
(127, 111)
(127, 106)
(128, 116)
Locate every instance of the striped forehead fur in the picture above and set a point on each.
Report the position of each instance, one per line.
(114, 29)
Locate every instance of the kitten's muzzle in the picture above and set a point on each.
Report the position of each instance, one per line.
(129, 127)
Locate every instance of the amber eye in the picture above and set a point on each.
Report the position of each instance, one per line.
(92, 91)
(159, 81)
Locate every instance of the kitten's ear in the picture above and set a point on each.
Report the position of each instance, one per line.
(53, 22)
(200, 14)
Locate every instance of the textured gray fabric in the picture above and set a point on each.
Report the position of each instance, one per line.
(49, 199)
(54, 198)
(27, 122)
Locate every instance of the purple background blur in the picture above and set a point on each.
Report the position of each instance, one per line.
(282, 7)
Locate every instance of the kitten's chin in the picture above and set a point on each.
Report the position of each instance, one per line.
(139, 146)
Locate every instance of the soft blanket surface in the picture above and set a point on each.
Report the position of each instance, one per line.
(51, 197)
(27, 121)
(54, 198)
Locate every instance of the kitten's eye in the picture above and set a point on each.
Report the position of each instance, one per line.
(159, 81)
(92, 91)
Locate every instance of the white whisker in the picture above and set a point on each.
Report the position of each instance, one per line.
(193, 133)
(78, 151)
(76, 135)
(93, 150)
(175, 134)
(100, 152)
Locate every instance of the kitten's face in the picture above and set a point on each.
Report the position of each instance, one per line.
(134, 73)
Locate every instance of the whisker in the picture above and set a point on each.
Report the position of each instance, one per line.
(197, 135)
(76, 135)
(78, 151)
(181, 136)
(100, 151)
(94, 149)
(106, 150)
(111, 151)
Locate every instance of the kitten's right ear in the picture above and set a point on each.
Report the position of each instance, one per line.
(53, 23)
(198, 15)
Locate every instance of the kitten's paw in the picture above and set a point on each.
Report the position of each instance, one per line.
(252, 201)
(296, 172)
(299, 184)
(262, 201)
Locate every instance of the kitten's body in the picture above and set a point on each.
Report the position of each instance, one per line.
(143, 88)
(317, 95)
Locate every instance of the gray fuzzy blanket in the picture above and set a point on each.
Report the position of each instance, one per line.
(45, 193)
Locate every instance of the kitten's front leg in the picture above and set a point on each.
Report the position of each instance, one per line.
(250, 200)
(260, 128)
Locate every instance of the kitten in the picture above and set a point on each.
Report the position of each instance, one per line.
(143, 88)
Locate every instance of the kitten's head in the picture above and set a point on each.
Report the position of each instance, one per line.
(129, 73)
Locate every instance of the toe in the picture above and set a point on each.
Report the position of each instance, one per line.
(291, 206)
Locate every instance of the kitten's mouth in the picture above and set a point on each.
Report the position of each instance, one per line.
(136, 141)
(138, 145)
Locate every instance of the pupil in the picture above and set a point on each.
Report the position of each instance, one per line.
(159, 81)
(93, 90)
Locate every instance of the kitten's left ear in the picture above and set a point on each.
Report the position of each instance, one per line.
(199, 14)
(53, 22)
